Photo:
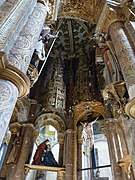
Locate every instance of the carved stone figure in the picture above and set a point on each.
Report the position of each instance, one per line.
(44, 156)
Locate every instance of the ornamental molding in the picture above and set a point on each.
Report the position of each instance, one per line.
(14, 75)
(12, 19)
(110, 15)
(83, 109)
(114, 98)
(87, 10)
(51, 119)
(125, 164)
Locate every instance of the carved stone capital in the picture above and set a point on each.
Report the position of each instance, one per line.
(130, 108)
(125, 164)
(61, 138)
(14, 75)
(88, 10)
(114, 99)
(69, 131)
(14, 127)
(110, 15)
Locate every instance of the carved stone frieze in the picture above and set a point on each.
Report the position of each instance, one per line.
(110, 15)
(114, 98)
(8, 97)
(88, 10)
(11, 26)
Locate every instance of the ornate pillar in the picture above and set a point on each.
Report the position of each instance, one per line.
(14, 67)
(7, 164)
(61, 149)
(8, 98)
(125, 54)
(114, 154)
(113, 23)
(79, 152)
(28, 135)
(69, 154)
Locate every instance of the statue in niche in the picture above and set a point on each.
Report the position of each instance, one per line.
(14, 151)
(39, 53)
(44, 155)
(111, 71)
(88, 130)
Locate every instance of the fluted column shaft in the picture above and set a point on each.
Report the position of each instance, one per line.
(69, 154)
(113, 149)
(28, 139)
(61, 149)
(125, 54)
(79, 152)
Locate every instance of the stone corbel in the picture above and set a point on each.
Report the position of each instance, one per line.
(14, 75)
(125, 164)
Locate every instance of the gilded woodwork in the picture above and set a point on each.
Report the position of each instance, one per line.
(130, 108)
(84, 108)
(61, 137)
(125, 164)
(12, 74)
(110, 15)
(45, 168)
(50, 119)
(113, 94)
(87, 10)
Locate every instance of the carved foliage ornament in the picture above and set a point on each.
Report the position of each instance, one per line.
(88, 10)
(109, 15)
(83, 109)
(114, 98)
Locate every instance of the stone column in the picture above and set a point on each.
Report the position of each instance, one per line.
(79, 152)
(121, 139)
(125, 54)
(18, 171)
(14, 67)
(61, 149)
(114, 154)
(8, 98)
(69, 154)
